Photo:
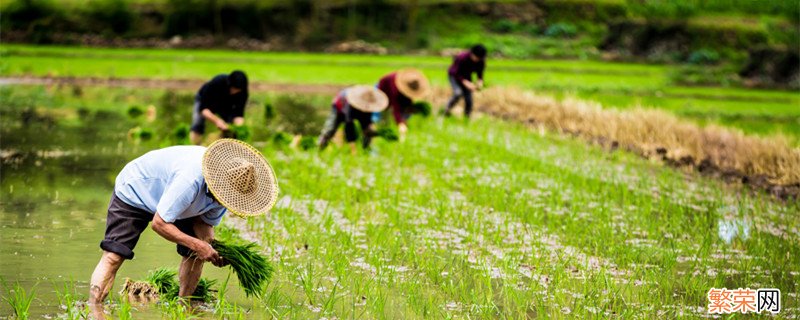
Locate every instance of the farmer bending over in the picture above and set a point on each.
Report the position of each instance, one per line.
(402, 88)
(185, 191)
(460, 76)
(220, 101)
(351, 104)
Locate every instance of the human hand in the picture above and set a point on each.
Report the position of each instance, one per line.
(222, 125)
(480, 84)
(206, 252)
(402, 129)
(469, 85)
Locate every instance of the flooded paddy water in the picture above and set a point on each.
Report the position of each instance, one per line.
(57, 173)
(480, 220)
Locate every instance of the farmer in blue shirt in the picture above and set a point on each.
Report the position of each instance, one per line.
(221, 101)
(184, 191)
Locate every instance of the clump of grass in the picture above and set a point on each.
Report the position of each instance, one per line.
(19, 300)
(252, 268)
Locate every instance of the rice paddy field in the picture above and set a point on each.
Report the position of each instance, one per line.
(617, 85)
(479, 219)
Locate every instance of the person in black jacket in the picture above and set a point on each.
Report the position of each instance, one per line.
(220, 101)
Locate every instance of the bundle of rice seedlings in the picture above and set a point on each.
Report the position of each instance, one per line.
(163, 279)
(252, 268)
(163, 283)
(423, 108)
(241, 132)
(203, 291)
(308, 143)
(138, 289)
(388, 133)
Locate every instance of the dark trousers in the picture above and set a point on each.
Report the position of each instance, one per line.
(348, 116)
(459, 90)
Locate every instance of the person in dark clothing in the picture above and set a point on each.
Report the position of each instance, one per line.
(403, 88)
(356, 103)
(220, 101)
(460, 76)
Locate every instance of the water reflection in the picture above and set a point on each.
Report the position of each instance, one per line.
(729, 229)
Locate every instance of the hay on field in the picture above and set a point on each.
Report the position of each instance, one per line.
(651, 133)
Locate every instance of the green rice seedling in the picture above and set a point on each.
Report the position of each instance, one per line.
(140, 134)
(281, 139)
(163, 279)
(241, 132)
(269, 111)
(308, 143)
(135, 112)
(251, 268)
(181, 133)
(388, 133)
(423, 108)
(124, 311)
(67, 301)
(204, 291)
(18, 299)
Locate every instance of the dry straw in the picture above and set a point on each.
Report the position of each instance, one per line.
(652, 133)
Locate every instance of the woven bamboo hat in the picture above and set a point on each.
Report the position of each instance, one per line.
(367, 98)
(412, 83)
(239, 177)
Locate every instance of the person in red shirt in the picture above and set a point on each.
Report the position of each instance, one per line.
(352, 104)
(460, 76)
(402, 88)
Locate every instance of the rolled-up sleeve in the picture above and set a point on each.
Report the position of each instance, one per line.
(214, 217)
(177, 197)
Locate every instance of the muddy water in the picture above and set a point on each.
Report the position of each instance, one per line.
(53, 200)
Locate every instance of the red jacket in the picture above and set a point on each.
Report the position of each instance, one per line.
(399, 103)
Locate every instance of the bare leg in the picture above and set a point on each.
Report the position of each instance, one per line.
(102, 281)
(189, 275)
(195, 137)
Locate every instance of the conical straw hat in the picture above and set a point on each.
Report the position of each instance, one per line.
(366, 98)
(239, 177)
(412, 83)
